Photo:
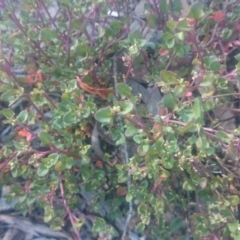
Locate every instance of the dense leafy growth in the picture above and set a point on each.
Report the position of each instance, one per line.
(180, 175)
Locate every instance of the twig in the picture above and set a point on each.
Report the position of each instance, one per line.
(196, 45)
(208, 131)
(68, 45)
(125, 149)
(51, 19)
(71, 217)
(5, 163)
(213, 35)
(14, 18)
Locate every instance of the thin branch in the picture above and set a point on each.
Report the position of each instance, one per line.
(51, 19)
(14, 18)
(5, 163)
(208, 131)
(68, 45)
(125, 150)
(71, 217)
(196, 45)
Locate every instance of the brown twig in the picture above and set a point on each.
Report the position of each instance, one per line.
(71, 217)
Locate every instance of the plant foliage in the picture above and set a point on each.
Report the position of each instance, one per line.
(182, 175)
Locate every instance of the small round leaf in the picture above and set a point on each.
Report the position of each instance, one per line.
(104, 115)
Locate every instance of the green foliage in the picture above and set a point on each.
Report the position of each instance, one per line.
(196, 11)
(170, 169)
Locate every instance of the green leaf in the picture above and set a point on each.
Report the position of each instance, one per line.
(188, 186)
(133, 49)
(140, 227)
(182, 25)
(223, 135)
(143, 209)
(171, 25)
(131, 131)
(45, 138)
(30, 201)
(53, 158)
(101, 31)
(207, 81)
(126, 107)
(202, 143)
(152, 20)
(189, 126)
(14, 172)
(168, 162)
(22, 199)
(176, 224)
(8, 113)
(196, 11)
(169, 101)
(145, 147)
(33, 34)
(49, 34)
(203, 182)
(140, 151)
(98, 225)
(42, 170)
(129, 197)
(58, 124)
(22, 116)
(72, 85)
(69, 117)
(124, 90)
(180, 36)
(48, 214)
(138, 139)
(8, 95)
(17, 145)
(99, 175)
(60, 166)
(237, 57)
(233, 226)
(212, 63)
(168, 77)
(168, 38)
(209, 151)
(237, 236)
(234, 200)
(163, 6)
(121, 139)
(177, 5)
(104, 115)
(197, 108)
(122, 177)
(144, 184)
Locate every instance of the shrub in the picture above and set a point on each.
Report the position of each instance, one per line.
(153, 169)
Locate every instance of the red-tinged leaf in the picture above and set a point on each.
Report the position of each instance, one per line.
(163, 52)
(218, 16)
(191, 21)
(101, 92)
(26, 134)
(99, 164)
(214, 45)
(163, 111)
(33, 77)
(238, 27)
(121, 191)
(188, 94)
(157, 130)
(236, 43)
